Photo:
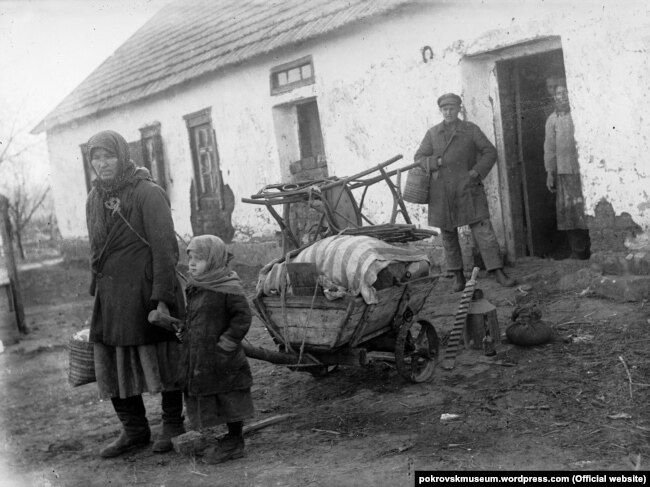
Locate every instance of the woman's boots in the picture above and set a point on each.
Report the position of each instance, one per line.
(172, 421)
(135, 427)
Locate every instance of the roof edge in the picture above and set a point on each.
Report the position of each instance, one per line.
(58, 120)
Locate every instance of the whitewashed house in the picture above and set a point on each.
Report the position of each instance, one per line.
(220, 98)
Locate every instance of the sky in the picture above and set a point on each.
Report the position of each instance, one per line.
(48, 47)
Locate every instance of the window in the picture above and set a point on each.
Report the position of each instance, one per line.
(205, 156)
(152, 153)
(291, 75)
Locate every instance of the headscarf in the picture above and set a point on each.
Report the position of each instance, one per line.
(103, 191)
(217, 276)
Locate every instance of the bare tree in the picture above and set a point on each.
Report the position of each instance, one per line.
(24, 201)
(24, 195)
(15, 140)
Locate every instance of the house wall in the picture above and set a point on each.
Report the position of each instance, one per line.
(377, 97)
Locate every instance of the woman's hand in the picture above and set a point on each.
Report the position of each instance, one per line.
(550, 181)
(164, 320)
(474, 176)
(163, 308)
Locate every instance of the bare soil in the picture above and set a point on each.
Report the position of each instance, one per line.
(578, 403)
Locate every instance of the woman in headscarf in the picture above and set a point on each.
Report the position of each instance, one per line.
(133, 261)
(218, 374)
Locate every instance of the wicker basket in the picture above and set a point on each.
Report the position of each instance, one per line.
(82, 363)
(416, 189)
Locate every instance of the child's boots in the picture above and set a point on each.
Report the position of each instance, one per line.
(228, 448)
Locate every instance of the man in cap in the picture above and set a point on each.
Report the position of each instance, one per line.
(563, 175)
(459, 156)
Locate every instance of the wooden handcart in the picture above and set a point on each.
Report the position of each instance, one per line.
(315, 334)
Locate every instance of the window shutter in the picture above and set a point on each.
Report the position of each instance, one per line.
(88, 171)
(135, 149)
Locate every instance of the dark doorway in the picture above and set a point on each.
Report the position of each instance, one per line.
(309, 131)
(525, 106)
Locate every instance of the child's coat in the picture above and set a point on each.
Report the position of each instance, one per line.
(211, 369)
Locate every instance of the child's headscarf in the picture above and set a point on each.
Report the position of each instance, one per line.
(217, 276)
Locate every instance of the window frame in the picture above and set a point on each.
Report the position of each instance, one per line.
(286, 67)
(152, 132)
(193, 121)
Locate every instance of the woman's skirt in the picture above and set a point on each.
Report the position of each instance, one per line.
(570, 205)
(129, 371)
(227, 407)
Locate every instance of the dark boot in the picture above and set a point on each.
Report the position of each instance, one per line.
(172, 426)
(459, 281)
(229, 448)
(135, 432)
(502, 278)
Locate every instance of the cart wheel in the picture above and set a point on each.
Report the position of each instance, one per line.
(416, 350)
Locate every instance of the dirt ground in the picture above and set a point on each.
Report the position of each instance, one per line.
(578, 403)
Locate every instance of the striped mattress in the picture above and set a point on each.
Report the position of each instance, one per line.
(354, 261)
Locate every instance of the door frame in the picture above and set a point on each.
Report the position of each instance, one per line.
(484, 61)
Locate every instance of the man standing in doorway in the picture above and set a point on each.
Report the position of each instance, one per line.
(459, 156)
(563, 175)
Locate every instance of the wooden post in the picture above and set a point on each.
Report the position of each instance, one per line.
(12, 271)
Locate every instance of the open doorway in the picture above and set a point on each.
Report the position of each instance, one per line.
(525, 105)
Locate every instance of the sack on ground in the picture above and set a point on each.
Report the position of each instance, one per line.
(528, 329)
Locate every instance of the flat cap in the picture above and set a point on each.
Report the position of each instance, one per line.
(449, 99)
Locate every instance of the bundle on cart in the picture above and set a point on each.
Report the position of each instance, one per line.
(353, 265)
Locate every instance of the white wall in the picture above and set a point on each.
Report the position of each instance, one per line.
(377, 97)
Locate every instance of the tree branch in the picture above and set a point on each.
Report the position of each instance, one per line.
(35, 207)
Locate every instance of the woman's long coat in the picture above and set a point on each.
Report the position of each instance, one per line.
(212, 370)
(131, 277)
(454, 200)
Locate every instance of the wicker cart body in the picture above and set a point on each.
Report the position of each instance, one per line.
(313, 333)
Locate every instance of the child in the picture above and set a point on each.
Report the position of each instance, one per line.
(218, 375)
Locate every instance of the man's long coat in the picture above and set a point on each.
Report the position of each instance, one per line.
(454, 200)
